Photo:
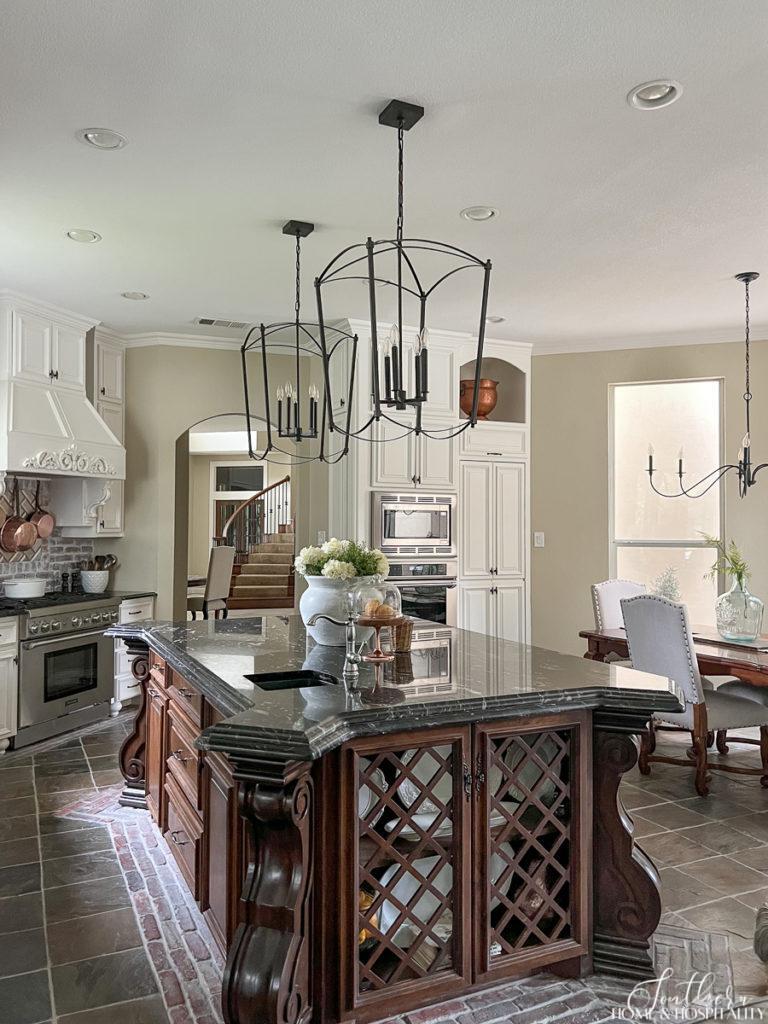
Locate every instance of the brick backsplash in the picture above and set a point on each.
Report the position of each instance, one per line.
(54, 556)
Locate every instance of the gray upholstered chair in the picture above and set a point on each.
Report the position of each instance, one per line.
(217, 584)
(606, 601)
(660, 641)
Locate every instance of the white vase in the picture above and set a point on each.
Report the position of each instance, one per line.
(329, 597)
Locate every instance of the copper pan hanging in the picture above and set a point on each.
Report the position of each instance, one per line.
(17, 534)
(43, 521)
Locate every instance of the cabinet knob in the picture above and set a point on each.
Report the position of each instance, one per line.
(179, 755)
(184, 692)
(103, 390)
(176, 840)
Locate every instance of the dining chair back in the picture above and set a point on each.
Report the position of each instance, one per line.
(606, 601)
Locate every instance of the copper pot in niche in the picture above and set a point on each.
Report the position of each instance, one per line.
(486, 400)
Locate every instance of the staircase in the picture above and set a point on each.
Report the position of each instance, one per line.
(265, 579)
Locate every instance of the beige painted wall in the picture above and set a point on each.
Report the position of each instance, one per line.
(168, 389)
(570, 470)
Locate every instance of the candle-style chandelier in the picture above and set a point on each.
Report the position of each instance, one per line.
(393, 359)
(746, 472)
(300, 416)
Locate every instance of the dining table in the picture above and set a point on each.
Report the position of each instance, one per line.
(745, 659)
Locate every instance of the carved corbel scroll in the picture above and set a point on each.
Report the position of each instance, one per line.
(132, 751)
(627, 900)
(267, 977)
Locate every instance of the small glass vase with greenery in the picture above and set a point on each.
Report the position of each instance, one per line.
(738, 614)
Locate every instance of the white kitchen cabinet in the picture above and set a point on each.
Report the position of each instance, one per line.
(9, 686)
(393, 456)
(411, 461)
(494, 441)
(476, 533)
(492, 519)
(495, 609)
(110, 363)
(46, 352)
(32, 347)
(109, 521)
(112, 414)
(136, 609)
(68, 358)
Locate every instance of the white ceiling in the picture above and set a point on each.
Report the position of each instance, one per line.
(615, 224)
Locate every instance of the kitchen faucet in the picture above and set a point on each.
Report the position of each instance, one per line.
(352, 657)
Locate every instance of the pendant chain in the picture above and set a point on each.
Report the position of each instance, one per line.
(297, 304)
(400, 183)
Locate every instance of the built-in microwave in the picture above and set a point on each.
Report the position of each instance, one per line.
(414, 524)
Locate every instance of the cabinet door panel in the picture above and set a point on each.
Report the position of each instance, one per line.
(222, 840)
(475, 519)
(31, 347)
(155, 751)
(8, 695)
(409, 897)
(443, 380)
(510, 611)
(476, 608)
(393, 462)
(109, 372)
(68, 358)
(532, 834)
(438, 462)
(110, 521)
(509, 519)
(112, 414)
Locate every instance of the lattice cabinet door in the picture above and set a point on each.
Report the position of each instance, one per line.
(406, 884)
(533, 837)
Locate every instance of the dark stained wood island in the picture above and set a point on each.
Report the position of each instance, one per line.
(357, 854)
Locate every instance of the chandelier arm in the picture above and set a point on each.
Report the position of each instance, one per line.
(246, 346)
(718, 474)
(324, 355)
(450, 273)
(757, 469)
(420, 293)
(480, 342)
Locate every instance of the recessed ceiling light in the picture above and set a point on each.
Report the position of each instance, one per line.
(102, 138)
(134, 295)
(83, 235)
(653, 95)
(479, 213)
(495, 319)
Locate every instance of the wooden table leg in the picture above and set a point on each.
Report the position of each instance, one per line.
(627, 900)
(132, 751)
(267, 976)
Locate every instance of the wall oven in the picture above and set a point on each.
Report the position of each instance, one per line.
(428, 589)
(414, 524)
(65, 680)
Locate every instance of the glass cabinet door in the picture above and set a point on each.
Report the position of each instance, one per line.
(531, 835)
(408, 894)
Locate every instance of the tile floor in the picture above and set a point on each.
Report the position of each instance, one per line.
(96, 925)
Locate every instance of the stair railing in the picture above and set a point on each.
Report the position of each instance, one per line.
(256, 517)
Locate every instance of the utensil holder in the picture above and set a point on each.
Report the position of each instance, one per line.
(94, 581)
(402, 636)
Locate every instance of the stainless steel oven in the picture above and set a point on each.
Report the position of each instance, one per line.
(428, 589)
(66, 673)
(414, 524)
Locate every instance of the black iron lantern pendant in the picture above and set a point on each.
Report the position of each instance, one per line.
(390, 358)
(300, 415)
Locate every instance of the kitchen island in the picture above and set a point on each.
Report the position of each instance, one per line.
(452, 822)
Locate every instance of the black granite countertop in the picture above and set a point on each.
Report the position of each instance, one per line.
(11, 607)
(462, 678)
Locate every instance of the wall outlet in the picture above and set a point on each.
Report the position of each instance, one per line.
(538, 540)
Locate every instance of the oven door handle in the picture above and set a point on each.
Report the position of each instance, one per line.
(31, 645)
(443, 584)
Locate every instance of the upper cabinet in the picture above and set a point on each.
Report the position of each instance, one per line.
(45, 352)
(407, 461)
(110, 360)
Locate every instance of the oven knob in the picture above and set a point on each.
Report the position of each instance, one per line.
(76, 621)
(55, 626)
(86, 620)
(95, 617)
(113, 616)
(45, 627)
(33, 627)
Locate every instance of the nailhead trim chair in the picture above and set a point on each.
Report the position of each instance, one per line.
(660, 641)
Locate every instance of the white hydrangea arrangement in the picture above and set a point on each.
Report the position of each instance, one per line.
(341, 560)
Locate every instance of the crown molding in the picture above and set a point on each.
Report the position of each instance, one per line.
(47, 308)
(714, 336)
(157, 339)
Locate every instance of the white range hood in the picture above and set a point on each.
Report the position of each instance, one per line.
(55, 432)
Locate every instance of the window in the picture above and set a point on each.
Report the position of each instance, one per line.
(239, 476)
(651, 534)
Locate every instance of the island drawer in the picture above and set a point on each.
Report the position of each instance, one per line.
(157, 669)
(183, 758)
(188, 699)
(183, 834)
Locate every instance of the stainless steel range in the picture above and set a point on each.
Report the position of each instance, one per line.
(66, 664)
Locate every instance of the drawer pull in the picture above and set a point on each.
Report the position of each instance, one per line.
(179, 842)
(179, 755)
(137, 612)
(184, 692)
(159, 669)
(132, 686)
